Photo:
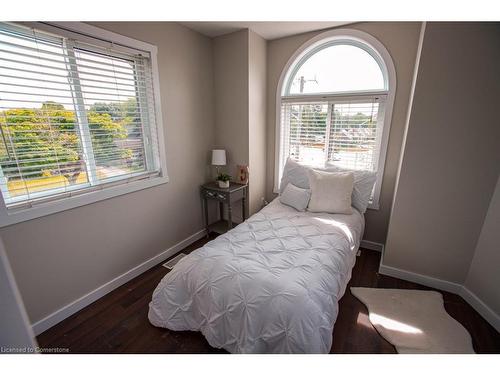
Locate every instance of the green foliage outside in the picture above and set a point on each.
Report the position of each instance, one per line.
(46, 140)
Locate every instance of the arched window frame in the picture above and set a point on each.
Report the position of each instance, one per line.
(338, 36)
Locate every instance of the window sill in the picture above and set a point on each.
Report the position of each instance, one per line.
(43, 209)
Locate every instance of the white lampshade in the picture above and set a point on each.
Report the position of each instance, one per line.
(218, 157)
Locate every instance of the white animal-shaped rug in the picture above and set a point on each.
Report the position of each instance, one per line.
(414, 321)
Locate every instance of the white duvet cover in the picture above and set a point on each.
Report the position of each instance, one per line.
(270, 285)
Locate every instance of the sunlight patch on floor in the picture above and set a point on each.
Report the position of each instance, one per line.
(388, 323)
(393, 325)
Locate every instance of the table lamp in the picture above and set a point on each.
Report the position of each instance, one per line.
(218, 159)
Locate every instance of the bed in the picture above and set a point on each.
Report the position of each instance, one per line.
(270, 285)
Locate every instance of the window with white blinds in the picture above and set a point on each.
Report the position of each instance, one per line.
(75, 116)
(346, 133)
(333, 107)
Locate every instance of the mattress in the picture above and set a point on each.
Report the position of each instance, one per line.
(269, 285)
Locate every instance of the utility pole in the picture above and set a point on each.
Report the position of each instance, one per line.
(302, 82)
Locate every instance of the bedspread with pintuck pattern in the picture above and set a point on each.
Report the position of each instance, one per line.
(270, 285)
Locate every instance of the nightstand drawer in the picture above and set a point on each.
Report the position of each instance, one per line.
(211, 194)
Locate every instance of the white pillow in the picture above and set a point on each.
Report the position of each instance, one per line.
(294, 173)
(295, 197)
(363, 186)
(331, 192)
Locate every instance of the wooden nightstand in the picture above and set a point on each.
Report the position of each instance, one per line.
(233, 194)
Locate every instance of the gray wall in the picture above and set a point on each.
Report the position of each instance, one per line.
(484, 279)
(230, 56)
(451, 158)
(401, 40)
(231, 97)
(240, 108)
(59, 258)
(257, 119)
(15, 329)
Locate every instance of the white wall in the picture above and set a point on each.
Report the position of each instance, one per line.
(61, 257)
(451, 158)
(483, 278)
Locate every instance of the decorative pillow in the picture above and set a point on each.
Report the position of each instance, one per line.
(294, 173)
(331, 192)
(363, 186)
(295, 197)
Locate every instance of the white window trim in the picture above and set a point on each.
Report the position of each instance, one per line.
(387, 65)
(99, 36)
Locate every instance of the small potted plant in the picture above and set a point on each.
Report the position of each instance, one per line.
(223, 180)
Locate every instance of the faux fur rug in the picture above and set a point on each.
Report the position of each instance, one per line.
(414, 321)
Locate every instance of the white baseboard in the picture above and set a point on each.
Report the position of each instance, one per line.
(71, 308)
(429, 281)
(370, 245)
(486, 312)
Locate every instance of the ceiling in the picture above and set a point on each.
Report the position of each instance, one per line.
(267, 30)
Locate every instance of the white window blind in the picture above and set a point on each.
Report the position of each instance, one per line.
(343, 132)
(74, 116)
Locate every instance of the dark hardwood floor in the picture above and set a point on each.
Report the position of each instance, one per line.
(118, 323)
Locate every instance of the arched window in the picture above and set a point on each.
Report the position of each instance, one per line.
(334, 104)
